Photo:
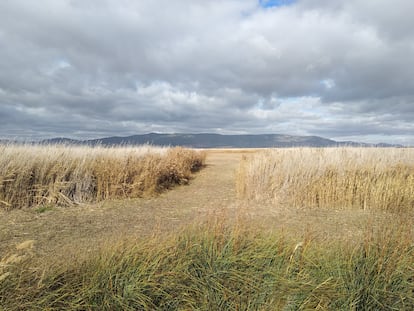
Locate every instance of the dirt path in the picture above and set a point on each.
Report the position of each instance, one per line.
(84, 227)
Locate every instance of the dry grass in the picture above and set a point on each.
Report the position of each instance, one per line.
(366, 178)
(219, 266)
(225, 262)
(33, 175)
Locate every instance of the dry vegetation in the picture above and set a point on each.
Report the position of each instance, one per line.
(230, 262)
(33, 175)
(216, 266)
(366, 178)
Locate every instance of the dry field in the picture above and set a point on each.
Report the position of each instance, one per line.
(333, 178)
(254, 230)
(37, 175)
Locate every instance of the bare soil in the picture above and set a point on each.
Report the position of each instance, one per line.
(211, 191)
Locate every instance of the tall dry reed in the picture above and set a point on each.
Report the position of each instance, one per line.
(32, 175)
(366, 178)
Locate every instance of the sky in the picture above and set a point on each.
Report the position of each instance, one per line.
(93, 68)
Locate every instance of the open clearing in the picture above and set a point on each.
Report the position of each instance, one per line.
(82, 228)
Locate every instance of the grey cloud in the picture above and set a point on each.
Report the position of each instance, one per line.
(91, 68)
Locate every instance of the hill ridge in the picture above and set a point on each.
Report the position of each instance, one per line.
(212, 140)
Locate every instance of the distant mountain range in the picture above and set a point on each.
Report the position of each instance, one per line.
(217, 141)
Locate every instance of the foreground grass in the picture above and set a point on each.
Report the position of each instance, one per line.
(39, 175)
(221, 267)
(365, 178)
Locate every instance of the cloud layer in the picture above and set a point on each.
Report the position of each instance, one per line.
(83, 69)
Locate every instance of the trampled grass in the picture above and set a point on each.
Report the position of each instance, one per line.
(365, 178)
(34, 175)
(216, 266)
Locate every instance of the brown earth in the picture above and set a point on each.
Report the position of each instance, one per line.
(59, 231)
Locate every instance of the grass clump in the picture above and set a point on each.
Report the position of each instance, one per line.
(44, 208)
(365, 178)
(38, 175)
(221, 267)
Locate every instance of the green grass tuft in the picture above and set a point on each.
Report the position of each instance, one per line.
(222, 267)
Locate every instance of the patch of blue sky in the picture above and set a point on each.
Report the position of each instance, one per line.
(275, 3)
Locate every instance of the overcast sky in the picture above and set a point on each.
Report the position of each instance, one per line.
(93, 68)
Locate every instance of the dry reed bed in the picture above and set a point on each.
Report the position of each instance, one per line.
(33, 175)
(366, 178)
